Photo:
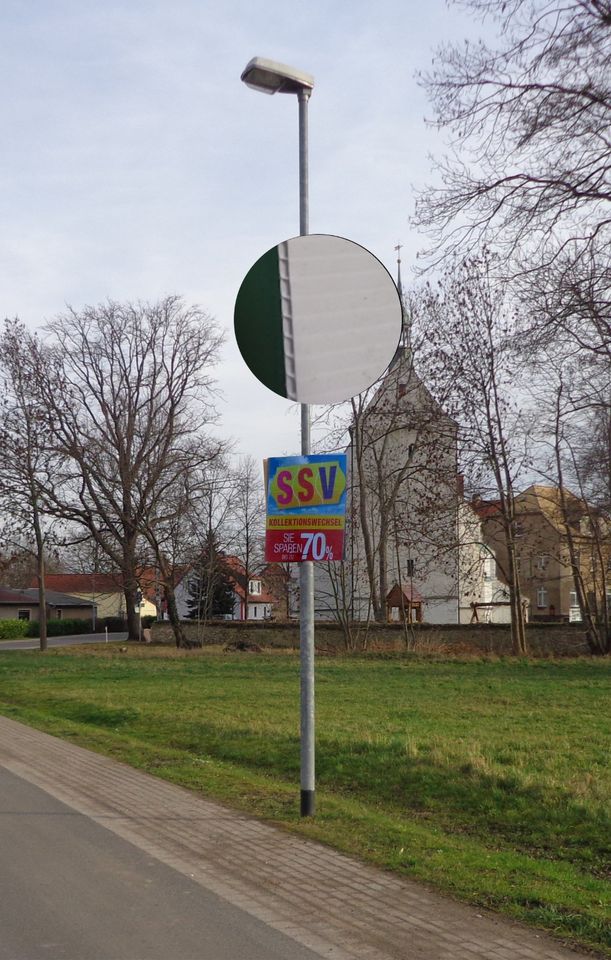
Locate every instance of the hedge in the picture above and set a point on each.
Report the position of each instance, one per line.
(58, 628)
(13, 629)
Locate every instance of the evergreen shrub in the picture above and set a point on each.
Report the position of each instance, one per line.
(59, 628)
(13, 629)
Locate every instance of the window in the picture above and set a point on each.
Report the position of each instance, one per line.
(541, 598)
(254, 586)
(411, 568)
(574, 611)
(542, 561)
(58, 614)
(23, 615)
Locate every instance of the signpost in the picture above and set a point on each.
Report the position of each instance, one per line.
(317, 320)
(306, 508)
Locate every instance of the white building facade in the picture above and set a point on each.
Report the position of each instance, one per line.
(402, 514)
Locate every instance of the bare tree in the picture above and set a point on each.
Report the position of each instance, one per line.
(340, 600)
(593, 458)
(248, 520)
(529, 167)
(574, 431)
(206, 535)
(180, 503)
(18, 560)
(29, 465)
(471, 361)
(402, 492)
(128, 392)
(280, 582)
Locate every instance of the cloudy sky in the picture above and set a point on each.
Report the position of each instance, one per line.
(134, 163)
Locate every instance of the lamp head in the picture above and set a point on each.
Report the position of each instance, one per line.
(269, 76)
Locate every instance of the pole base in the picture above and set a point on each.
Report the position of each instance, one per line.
(308, 803)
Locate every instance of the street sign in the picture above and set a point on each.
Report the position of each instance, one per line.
(318, 319)
(306, 508)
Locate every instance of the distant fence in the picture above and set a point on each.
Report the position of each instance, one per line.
(543, 639)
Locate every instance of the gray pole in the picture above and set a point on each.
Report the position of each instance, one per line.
(306, 569)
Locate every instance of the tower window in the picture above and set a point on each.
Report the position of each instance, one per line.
(541, 598)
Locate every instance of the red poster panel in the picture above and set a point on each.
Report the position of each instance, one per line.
(287, 546)
(306, 506)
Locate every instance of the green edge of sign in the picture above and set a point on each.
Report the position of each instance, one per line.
(258, 322)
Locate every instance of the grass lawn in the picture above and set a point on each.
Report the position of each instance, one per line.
(486, 779)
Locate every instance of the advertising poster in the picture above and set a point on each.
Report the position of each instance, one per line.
(306, 508)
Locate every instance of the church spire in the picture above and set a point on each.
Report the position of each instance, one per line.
(399, 287)
(405, 339)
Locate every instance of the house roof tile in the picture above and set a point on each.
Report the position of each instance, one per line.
(11, 596)
(410, 594)
(56, 599)
(29, 598)
(88, 583)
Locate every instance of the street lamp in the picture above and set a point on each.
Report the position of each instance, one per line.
(269, 76)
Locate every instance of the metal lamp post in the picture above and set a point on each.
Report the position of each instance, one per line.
(268, 76)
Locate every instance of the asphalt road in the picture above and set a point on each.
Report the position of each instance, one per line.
(33, 643)
(72, 890)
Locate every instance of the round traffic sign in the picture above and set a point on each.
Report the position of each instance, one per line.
(318, 319)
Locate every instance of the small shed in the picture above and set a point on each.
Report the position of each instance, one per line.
(63, 606)
(404, 602)
(15, 604)
(23, 605)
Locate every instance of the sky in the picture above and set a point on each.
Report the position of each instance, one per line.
(135, 164)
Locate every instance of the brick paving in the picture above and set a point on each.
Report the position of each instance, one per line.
(328, 902)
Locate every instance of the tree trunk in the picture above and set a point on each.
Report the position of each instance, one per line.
(42, 601)
(179, 634)
(383, 570)
(518, 630)
(369, 558)
(131, 615)
(40, 571)
(356, 452)
(597, 631)
(130, 587)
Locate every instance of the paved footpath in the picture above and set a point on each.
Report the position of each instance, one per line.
(337, 907)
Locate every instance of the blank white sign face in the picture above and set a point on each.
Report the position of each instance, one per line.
(318, 319)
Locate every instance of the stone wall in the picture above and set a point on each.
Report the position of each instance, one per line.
(544, 639)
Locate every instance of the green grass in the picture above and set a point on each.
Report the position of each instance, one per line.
(488, 780)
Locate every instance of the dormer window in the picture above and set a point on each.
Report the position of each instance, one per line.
(254, 587)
